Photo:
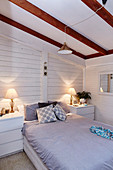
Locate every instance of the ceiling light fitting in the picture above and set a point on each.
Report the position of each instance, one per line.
(64, 49)
(104, 2)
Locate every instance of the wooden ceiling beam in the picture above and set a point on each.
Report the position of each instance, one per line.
(36, 34)
(58, 24)
(103, 13)
(98, 54)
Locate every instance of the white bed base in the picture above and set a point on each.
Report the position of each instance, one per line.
(33, 156)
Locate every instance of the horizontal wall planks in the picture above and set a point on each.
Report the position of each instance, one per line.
(19, 50)
(16, 70)
(20, 68)
(34, 33)
(103, 103)
(20, 55)
(61, 76)
(18, 64)
(4, 73)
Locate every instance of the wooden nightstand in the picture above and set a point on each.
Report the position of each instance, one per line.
(11, 138)
(86, 111)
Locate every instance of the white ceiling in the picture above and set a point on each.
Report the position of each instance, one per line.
(68, 12)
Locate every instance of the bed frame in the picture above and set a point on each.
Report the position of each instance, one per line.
(33, 156)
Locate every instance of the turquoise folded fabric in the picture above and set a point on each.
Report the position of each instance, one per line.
(100, 131)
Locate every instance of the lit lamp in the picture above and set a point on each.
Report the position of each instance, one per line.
(71, 92)
(11, 94)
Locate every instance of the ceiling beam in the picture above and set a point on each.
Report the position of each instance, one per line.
(98, 54)
(110, 52)
(58, 24)
(36, 34)
(103, 13)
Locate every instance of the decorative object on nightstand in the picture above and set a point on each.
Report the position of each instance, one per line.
(82, 101)
(83, 95)
(72, 92)
(4, 111)
(11, 94)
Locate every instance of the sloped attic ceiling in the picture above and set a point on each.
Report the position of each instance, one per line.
(95, 35)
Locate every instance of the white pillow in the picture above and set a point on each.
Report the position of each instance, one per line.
(46, 114)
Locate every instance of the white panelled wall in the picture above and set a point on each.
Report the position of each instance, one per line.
(62, 75)
(103, 103)
(21, 68)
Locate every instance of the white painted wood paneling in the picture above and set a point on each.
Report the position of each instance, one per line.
(61, 76)
(20, 68)
(103, 103)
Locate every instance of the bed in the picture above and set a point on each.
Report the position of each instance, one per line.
(68, 145)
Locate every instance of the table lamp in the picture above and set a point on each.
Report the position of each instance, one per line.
(11, 94)
(71, 92)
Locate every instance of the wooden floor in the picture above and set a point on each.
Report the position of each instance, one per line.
(18, 161)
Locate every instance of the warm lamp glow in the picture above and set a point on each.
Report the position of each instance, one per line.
(11, 94)
(71, 92)
(101, 89)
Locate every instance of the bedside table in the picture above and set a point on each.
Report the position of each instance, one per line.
(86, 111)
(11, 138)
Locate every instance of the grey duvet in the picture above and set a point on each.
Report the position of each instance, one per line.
(69, 145)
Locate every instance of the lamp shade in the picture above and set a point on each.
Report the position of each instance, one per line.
(72, 91)
(65, 49)
(11, 94)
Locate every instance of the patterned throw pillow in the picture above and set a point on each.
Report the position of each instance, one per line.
(59, 112)
(46, 114)
(64, 106)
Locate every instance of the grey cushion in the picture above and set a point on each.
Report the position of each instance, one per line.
(64, 106)
(59, 112)
(30, 112)
(46, 114)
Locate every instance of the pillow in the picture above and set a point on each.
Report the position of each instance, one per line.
(43, 104)
(30, 112)
(64, 106)
(53, 102)
(46, 114)
(59, 112)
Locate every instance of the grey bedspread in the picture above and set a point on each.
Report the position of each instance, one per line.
(69, 145)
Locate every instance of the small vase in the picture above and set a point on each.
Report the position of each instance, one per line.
(82, 101)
